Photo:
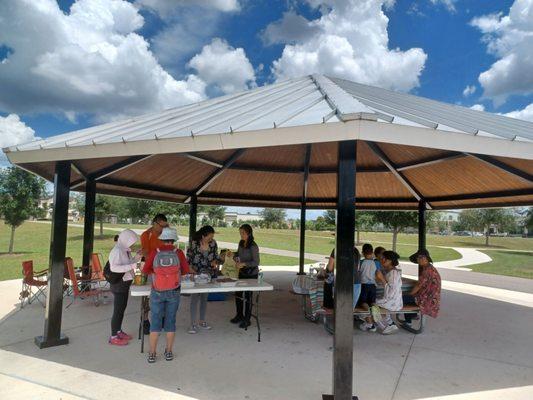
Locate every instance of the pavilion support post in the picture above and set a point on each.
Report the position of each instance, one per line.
(302, 240)
(421, 228)
(54, 300)
(344, 264)
(307, 161)
(88, 223)
(193, 213)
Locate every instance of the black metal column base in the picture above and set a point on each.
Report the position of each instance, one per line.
(43, 343)
(330, 397)
(301, 273)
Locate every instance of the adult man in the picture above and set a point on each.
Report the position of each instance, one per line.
(150, 237)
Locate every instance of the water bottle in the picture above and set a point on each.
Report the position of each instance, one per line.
(260, 277)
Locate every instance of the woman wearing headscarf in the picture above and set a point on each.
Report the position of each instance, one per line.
(121, 261)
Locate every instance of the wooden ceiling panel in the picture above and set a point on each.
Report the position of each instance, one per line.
(462, 176)
(401, 155)
(278, 156)
(257, 183)
(167, 170)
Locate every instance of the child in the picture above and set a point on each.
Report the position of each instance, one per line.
(392, 296)
(166, 264)
(122, 262)
(378, 253)
(368, 272)
(229, 267)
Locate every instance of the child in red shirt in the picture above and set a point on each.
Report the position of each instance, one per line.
(166, 264)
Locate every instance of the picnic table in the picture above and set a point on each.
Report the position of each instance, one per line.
(327, 315)
(244, 285)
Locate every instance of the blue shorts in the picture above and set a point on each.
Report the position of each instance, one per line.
(164, 305)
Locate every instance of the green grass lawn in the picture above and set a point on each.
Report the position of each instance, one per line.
(510, 263)
(32, 242)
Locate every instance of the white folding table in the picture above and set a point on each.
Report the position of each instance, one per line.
(244, 285)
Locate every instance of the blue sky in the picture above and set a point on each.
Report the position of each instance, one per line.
(68, 65)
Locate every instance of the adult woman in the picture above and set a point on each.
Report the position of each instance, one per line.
(247, 260)
(203, 258)
(426, 292)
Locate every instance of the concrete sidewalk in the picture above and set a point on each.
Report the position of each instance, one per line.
(477, 348)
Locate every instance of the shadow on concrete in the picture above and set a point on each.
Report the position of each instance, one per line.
(475, 344)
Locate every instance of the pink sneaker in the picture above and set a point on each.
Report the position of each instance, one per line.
(117, 341)
(124, 335)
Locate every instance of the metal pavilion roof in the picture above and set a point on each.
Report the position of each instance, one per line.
(398, 131)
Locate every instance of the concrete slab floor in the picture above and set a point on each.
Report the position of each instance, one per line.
(476, 346)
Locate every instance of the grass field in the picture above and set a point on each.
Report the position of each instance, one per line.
(510, 263)
(32, 242)
(320, 242)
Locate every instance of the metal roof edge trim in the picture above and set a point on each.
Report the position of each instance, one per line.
(444, 140)
(292, 135)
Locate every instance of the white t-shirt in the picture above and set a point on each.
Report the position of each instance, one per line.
(367, 270)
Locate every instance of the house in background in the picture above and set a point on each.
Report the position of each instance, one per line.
(47, 204)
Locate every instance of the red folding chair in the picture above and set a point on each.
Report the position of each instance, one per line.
(81, 288)
(33, 284)
(97, 271)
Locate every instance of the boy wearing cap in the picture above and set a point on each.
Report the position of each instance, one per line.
(166, 264)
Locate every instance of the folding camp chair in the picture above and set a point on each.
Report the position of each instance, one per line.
(81, 287)
(97, 271)
(33, 284)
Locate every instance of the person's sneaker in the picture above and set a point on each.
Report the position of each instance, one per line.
(390, 329)
(193, 329)
(244, 324)
(151, 358)
(236, 319)
(169, 356)
(205, 326)
(117, 341)
(124, 335)
(372, 328)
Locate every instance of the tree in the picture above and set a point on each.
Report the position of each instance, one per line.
(486, 219)
(397, 221)
(330, 217)
(20, 192)
(273, 216)
(528, 222)
(216, 215)
(363, 220)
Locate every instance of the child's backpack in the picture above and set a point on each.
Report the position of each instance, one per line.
(167, 270)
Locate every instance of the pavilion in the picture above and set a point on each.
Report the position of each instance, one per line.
(311, 142)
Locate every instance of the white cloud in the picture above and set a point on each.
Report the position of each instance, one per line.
(13, 132)
(510, 39)
(449, 4)
(167, 7)
(478, 107)
(350, 41)
(469, 90)
(89, 60)
(223, 66)
(289, 29)
(526, 113)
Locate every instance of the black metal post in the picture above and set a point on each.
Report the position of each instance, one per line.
(88, 223)
(421, 228)
(307, 161)
(193, 212)
(344, 264)
(58, 244)
(302, 240)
